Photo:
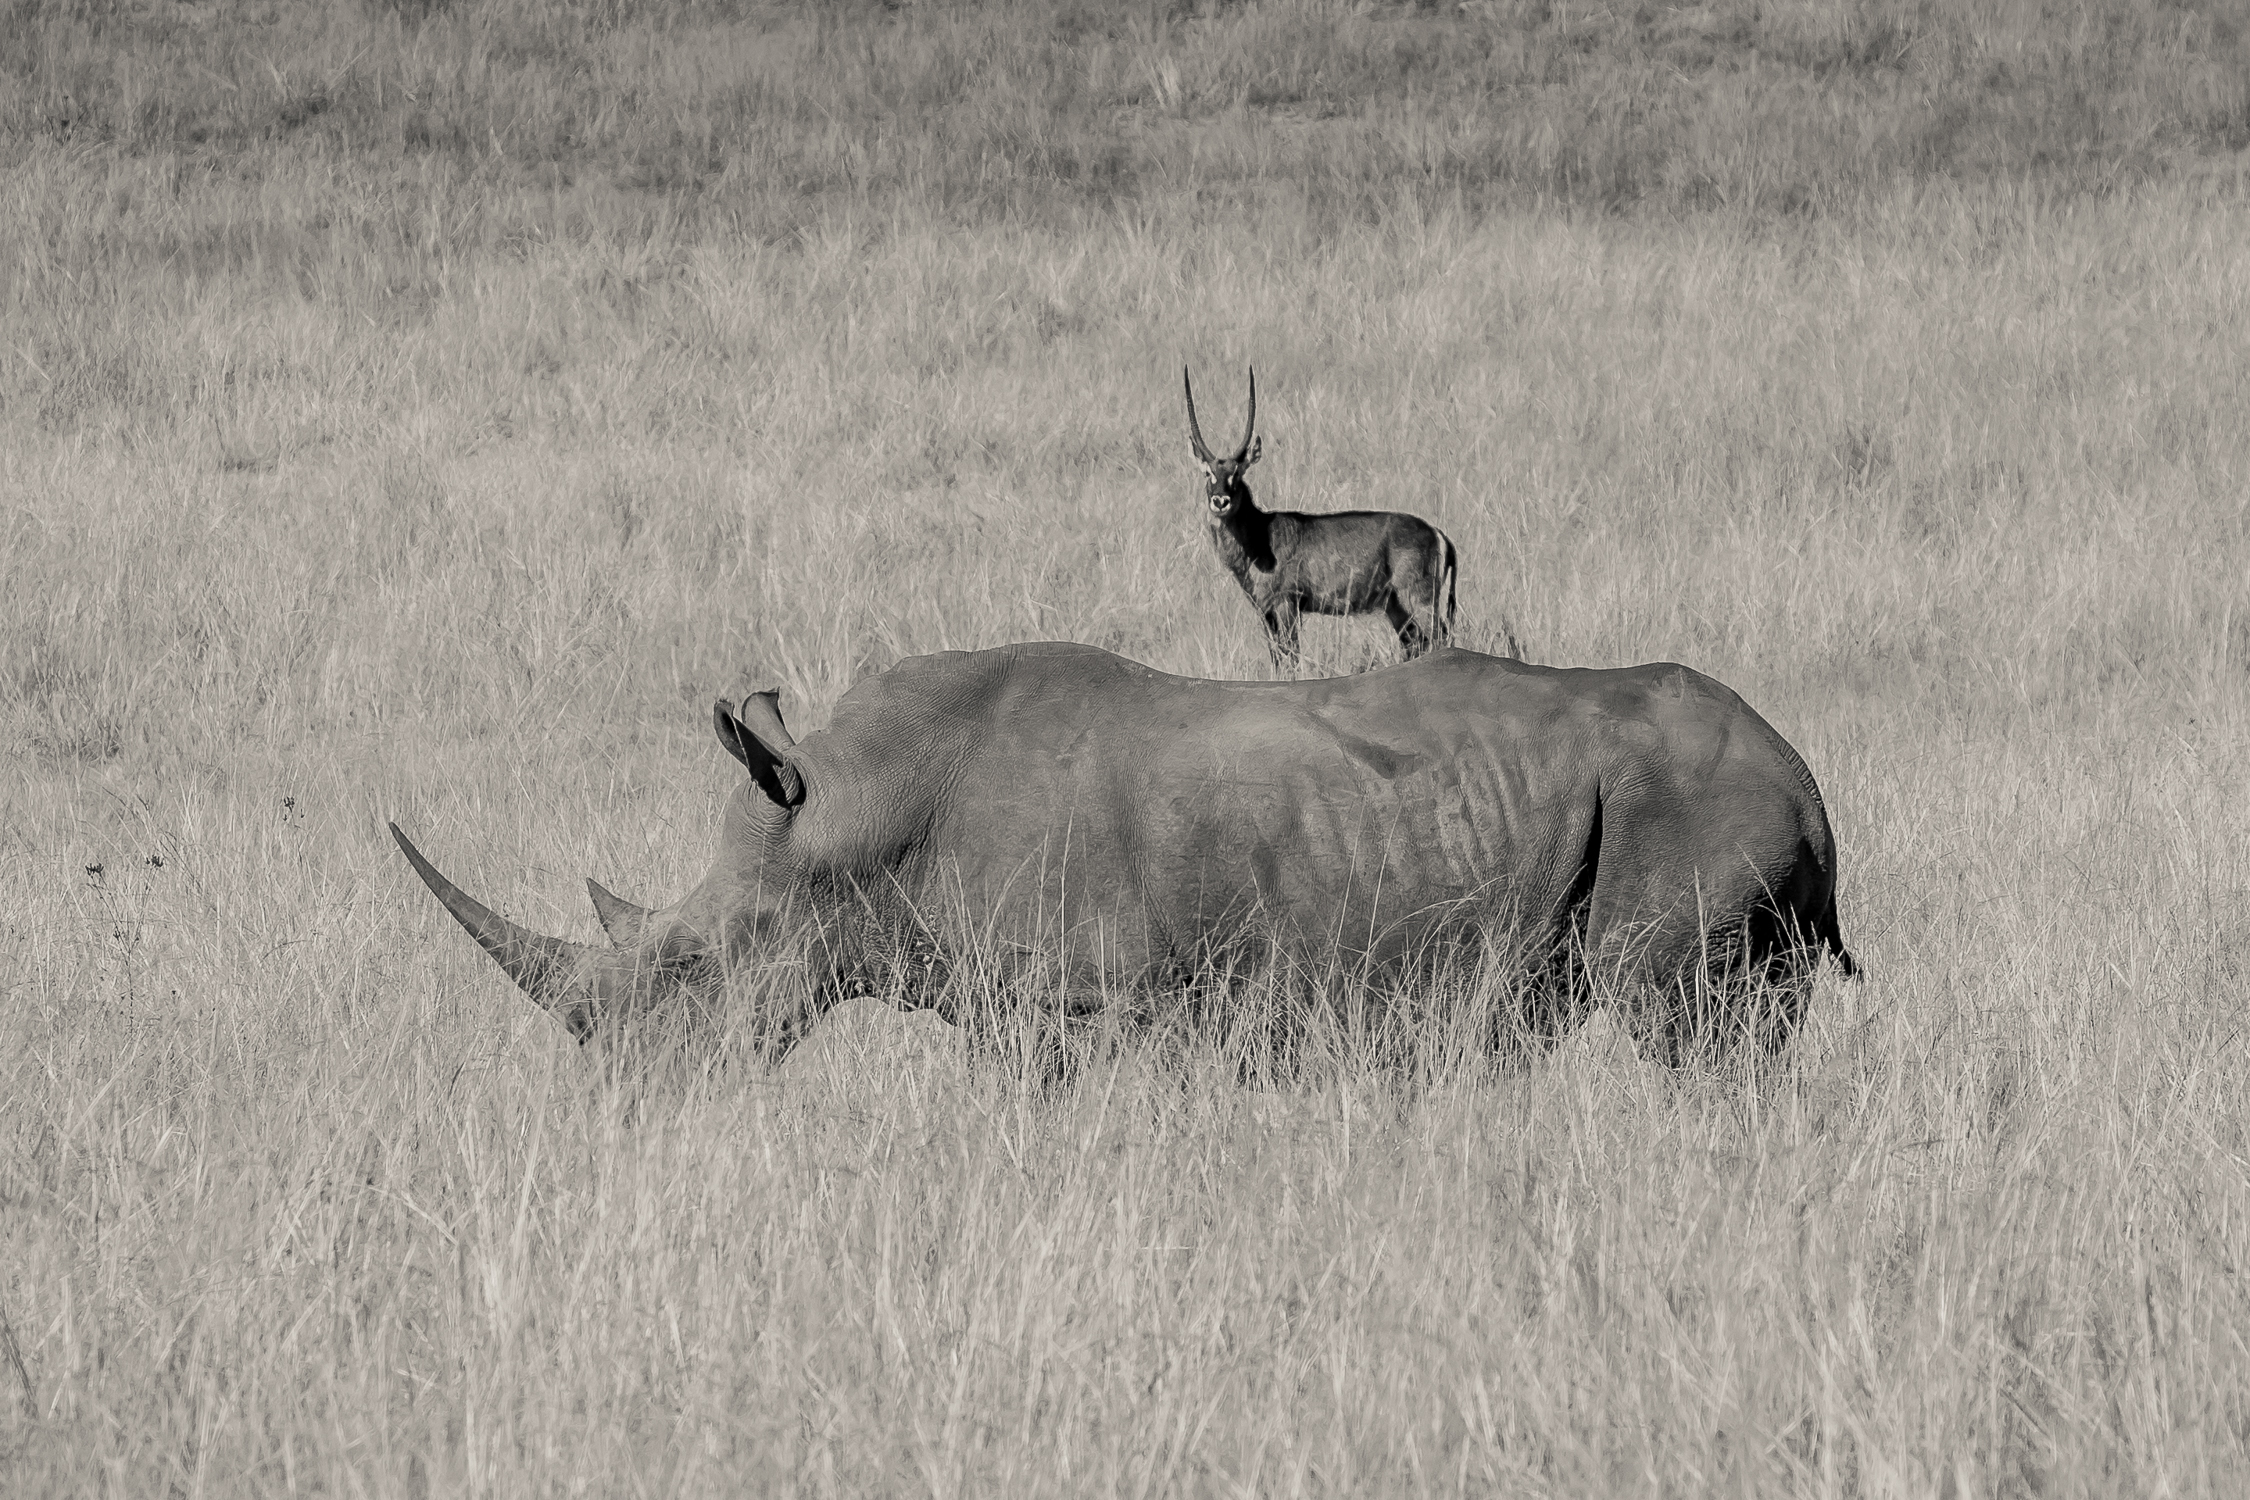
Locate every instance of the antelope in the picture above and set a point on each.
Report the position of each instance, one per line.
(1342, 563)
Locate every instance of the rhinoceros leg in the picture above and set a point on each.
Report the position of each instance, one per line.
(1707, 958)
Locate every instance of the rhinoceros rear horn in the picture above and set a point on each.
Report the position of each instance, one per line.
(621, 919)
(636, 927)
(756, 736)
(544, 967)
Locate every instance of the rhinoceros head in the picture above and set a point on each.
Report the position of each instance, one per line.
(679, 957)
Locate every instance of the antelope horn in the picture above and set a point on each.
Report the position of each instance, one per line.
(1195, 433)
(1250, 426)
(543, 967)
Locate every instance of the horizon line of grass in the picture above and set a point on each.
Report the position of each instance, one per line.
(760, 118)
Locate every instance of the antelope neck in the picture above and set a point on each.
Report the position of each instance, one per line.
(1244, 539)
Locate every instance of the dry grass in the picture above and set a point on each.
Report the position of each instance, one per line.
(343, 478)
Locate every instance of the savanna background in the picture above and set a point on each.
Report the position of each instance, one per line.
(423, 410)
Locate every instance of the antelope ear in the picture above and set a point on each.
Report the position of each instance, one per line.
(1257, 446)
(766, 762)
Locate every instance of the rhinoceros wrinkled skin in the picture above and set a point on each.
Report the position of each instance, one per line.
(1063, 799)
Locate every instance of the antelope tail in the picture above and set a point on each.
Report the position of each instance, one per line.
(1448, 570)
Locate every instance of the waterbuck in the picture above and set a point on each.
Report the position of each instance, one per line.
(1346, 562)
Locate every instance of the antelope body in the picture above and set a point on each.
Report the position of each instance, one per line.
(1338, 563)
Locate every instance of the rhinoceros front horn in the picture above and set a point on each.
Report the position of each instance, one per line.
(544, 967)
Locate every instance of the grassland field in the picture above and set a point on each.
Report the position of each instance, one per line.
(425, 411)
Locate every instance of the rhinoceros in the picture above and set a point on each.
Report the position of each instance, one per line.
(1631, 822)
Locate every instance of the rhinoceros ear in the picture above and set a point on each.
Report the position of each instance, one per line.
(763, 749)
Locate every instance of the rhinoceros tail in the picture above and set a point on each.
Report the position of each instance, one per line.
(1831, 937)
